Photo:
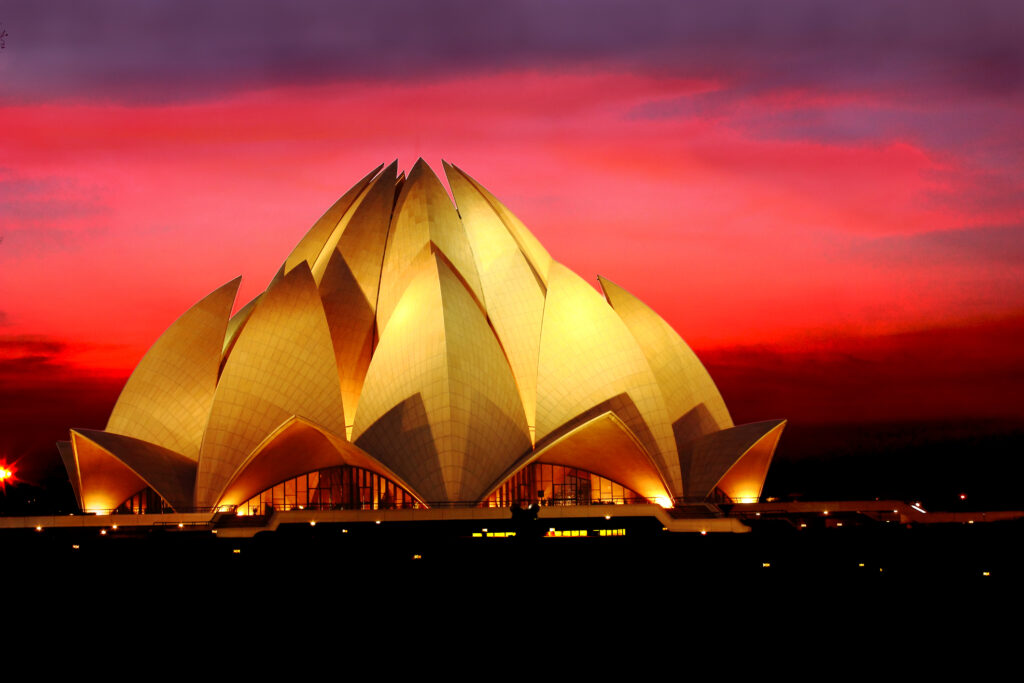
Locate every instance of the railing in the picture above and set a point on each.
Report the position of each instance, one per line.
(263, 510)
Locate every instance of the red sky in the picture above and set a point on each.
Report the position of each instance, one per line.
(827, 203)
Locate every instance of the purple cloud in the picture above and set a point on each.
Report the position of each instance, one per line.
(125, 50)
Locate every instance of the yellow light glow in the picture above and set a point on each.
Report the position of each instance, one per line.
(569, 533)
(237, 551)
(417, 557)
(103, 532)
(181, 525)
(746, 498)
(860, 564)
(378, 521)
(986, 573)
(766, 564)
(803, 526)
(607, 516)
(39, 528)
(74, 547)
(312, 522)
(114, 527)
(664, 502)
(703, 532)
(214, 530)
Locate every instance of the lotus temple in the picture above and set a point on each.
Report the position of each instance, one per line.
(419, 356)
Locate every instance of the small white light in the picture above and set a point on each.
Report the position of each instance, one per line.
(312, 522)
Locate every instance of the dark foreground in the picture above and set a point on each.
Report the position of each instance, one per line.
(645, 563)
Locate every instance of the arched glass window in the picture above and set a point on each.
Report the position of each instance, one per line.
(334, 488)
(549, 484)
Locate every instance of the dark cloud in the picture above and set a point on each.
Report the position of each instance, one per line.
(129, 50)
(42, 395)
(34, 415)
(972, 371)
(29, 356)
(928, 460)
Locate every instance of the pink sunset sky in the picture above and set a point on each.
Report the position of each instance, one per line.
(825, 200)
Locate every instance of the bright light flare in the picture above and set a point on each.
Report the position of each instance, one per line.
(8, 474)
(664, 502)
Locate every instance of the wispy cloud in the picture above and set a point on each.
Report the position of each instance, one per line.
(1003, 244)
